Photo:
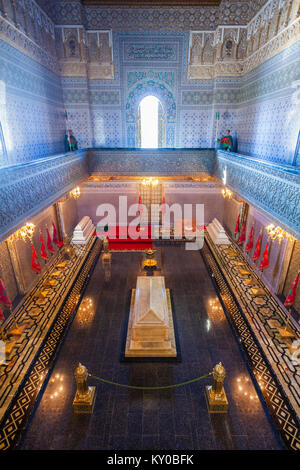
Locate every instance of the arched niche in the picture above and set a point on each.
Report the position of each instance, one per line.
(168, 110)
(150, 123)
(71, 47)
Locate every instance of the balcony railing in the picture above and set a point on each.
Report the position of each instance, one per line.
(28, 188)
(271, 187)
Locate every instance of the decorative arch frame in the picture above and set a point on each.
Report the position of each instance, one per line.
(208, 43)
(228, 37)
(71, 37)
(135, 96)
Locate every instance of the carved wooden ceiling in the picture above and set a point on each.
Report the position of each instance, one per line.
(142, 3)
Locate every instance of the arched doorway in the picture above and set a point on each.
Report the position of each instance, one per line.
(150, 125)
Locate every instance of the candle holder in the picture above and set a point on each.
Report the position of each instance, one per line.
(85, 396)
(215, 394)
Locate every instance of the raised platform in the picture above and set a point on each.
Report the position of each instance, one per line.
(174, 335)
(46, 314)
(255, 319)
(150, 331)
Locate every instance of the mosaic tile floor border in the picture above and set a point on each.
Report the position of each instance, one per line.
(277, 403)
(16, 417)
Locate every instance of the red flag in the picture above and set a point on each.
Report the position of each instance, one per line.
(44, 254)
(4, 299)
(243, 234)
(237, 226)
(265, 261)
(140, 209)
(257, 249)
(290, 299)
(2, 317)
(250, 241)
(163, 205)
(49, 243)
(55, 240)
(35, 263)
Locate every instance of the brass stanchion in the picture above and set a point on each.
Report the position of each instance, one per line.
(85, 396)
(106, 256)
(215, 394)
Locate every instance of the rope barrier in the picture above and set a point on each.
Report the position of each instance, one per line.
(150, 388)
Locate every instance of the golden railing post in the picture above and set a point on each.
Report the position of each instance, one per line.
(85, 396)
(215, 393)
(106, 256)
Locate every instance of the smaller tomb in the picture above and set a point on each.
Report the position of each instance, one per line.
(83, 231)
(217, 233)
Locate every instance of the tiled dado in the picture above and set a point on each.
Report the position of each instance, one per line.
(22, 382)
(150, 161)
(255, 320)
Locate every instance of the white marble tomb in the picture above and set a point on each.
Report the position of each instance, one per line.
(150, 327)
(83, 231)
(217, 233)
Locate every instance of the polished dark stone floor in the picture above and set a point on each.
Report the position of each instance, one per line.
(172, 419)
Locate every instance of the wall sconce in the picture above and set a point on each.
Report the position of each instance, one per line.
(226, 193)
(150, 181)
(25, 232)
(277, 233)
(75, 193)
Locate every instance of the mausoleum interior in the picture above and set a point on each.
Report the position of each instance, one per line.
(149, 225)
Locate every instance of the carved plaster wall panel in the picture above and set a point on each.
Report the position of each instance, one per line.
(157, 162)
(272, 188)
(28, 188)
(275, 28)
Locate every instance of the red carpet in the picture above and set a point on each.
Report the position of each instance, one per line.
(119, 238)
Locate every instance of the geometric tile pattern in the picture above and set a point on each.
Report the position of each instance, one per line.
(32, 118)
(195, 98)
(105, 97)
(269, 129)
(166, 77)
(270, 385)
(146, 161)
(107, 128)
(195, 129)
(23, 402)
(177, 17)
